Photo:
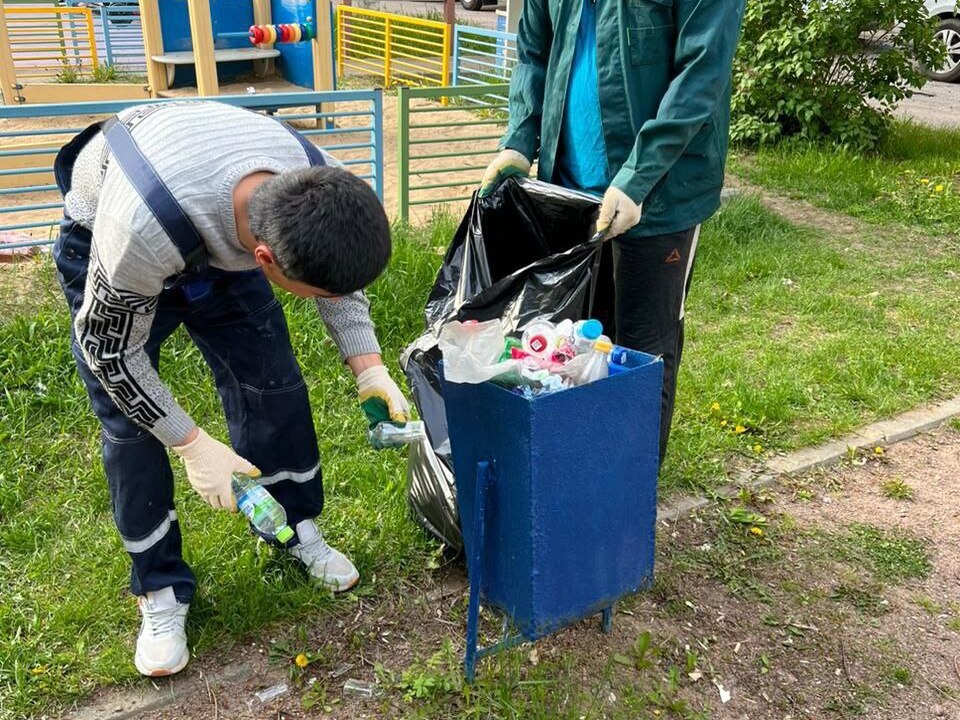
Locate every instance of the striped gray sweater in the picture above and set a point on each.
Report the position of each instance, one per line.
(200, 150)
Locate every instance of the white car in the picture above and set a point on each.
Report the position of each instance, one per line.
(948, 31)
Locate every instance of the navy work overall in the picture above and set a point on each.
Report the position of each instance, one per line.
(239, 327)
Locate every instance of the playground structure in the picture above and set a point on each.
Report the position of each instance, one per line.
(395, 49)
(49, 55)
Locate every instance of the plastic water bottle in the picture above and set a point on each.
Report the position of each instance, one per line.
(598, 366)
(387, 434)
(260, 507)
(585, 334)
(539, 338)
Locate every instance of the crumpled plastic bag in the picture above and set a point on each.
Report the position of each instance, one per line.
(471, 353)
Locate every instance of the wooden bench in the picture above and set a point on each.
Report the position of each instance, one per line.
(172, 59)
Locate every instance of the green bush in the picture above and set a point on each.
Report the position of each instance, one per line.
(828, 68)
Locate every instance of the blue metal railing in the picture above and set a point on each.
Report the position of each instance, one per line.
(119, 34)
(482, 57)
(350, 128)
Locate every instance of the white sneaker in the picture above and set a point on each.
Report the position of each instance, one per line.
(331, 568)
(162, 642)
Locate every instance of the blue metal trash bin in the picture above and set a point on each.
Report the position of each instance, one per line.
(557, 497)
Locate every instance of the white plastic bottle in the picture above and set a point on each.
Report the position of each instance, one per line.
(585, 334)
(598, 366)
(539, 338)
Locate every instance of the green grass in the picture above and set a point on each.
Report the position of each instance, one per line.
(792, 339)
(888, 555)
(898, 183)
(896, 488)
(848, 339)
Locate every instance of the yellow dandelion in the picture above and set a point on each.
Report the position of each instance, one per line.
(878, 450)
(723, 423)
(758, 449)
(739, 429)
(925, 181)
(939, 188)
(715, 407)
(38, 670)
(757, 531)
(301, 661)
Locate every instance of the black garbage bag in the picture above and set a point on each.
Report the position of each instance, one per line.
(523, 252)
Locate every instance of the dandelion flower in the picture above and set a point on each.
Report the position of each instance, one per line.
(878, 450)
(758, 449)
(301, 661)
(739, 429)
(757, 531)
(715, 407)
(939, 188)
(925, 181)
(723, 423)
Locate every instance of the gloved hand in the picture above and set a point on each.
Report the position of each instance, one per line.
(209, 465)
(380, 398)
(618, 213)
(504, 165)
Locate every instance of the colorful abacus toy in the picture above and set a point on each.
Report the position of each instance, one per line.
(283, 33)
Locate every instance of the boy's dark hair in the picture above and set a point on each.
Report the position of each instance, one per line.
(325, 226)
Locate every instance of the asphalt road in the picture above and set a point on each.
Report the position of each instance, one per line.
(486, 18)
(936, 104)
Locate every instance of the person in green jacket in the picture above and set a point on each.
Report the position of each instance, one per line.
(630, 100)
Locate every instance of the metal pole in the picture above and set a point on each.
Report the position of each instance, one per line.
(105, 26)
(403, 151)
(378, 140)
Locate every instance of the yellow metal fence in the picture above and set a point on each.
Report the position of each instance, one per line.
(399, 49)
(52, 43)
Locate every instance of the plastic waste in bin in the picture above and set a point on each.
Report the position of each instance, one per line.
(557, 497)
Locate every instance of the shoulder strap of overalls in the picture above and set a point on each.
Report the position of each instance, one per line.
(313, 152)
(164, 206)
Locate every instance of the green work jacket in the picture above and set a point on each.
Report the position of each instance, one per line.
(663, 75)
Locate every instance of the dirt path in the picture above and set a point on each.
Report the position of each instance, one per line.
(843, 602)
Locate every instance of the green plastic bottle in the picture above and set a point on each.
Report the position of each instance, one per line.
(260, 507)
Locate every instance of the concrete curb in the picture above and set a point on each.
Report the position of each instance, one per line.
(885, 432)
(132, 703)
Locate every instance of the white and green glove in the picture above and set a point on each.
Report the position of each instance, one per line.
(504, 165)
(380, 398)
(210, 465)
(618, 213)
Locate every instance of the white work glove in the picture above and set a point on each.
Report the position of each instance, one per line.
(209, 465)
(618, 213)
(504, 165)
(380, 398)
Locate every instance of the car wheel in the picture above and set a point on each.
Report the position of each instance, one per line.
(472, 4)
(948, 32)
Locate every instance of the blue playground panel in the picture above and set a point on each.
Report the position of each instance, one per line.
(557, 496)
(295, 63)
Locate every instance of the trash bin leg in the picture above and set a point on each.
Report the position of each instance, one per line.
(606, 620)
(474, 570)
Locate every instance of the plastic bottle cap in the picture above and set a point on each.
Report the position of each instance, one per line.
(591, 329)
(284, 534)
(604, 346)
